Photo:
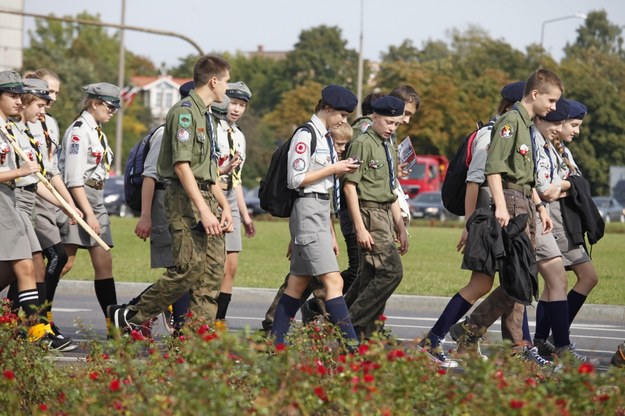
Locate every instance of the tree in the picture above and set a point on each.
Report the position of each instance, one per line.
(598, 33)
(406, 52)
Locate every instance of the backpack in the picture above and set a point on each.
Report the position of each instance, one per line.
(454, 186)
(274, 194)
(133, 176)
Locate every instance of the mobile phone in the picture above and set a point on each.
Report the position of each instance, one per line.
(357, 161)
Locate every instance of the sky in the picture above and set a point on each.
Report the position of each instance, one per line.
(242, 25)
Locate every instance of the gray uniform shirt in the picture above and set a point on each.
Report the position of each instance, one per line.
(82, 156)
(547, 164)
(50, 156)
(24, 142)
(151, 160)
(7, 154)
(479, 152)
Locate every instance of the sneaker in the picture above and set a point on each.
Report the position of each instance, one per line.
(618, 359)
(168, 321)
(466, 336)
(577, 356)
(310, 311)
(544, 347)
(436, 353)
(71, 346)
(52, 343)
(147, 326)
(118, 314)
(531, 355)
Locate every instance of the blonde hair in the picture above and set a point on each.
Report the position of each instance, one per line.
(343, 132)
(557, 143)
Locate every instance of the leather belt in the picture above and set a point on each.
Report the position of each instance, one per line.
(526, 190)
(10, 184)
(97, 185)
(317, 195)
(204, 186)
(379, 205)
(160, 186)
(30, 188)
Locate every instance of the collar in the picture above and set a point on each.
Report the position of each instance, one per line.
(88, 118)
(523, 113)
(319, 125)
(199, 102)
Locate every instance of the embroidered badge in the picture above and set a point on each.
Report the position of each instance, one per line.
(98, 156)
(75, 139)
(299, 165)
(506, 131)
(4, 150)
(73, 148)
(523, 150)
(184, 120)
(183, 135)
(30, 154)
(300, 148)
(364, 126)
(375, 164)
(201, 135)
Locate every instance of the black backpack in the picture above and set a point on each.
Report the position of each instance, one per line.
(133, 176)
(274, 194)
(455, 186)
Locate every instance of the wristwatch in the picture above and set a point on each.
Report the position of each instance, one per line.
(540, 204)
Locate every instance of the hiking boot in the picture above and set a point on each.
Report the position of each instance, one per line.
(577, 356)
(618, 359)
(436, 352)
(466, 336)
(531, 355)
(310, 311)
(70, 346)
(544, 347)
(118, 314)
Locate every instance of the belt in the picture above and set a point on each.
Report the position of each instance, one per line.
(371, 204)
(97, 185)
(204, 186)
(160, 185)
(526, 190)
(10, 184)
(317, 195)
(30, 188)
(225, 182)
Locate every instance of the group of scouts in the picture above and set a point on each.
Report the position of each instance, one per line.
(193, 209)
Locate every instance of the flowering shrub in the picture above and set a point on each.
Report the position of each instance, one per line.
(217, 373)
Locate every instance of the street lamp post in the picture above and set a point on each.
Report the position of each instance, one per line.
(557, 19)
(360, 61)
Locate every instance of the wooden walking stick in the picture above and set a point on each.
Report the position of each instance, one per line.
(66, 206)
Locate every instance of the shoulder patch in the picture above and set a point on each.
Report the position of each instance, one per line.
(186, 104)
(77, 124)
(184, 120)
(506, 131)
(183, 135)
(364, 126)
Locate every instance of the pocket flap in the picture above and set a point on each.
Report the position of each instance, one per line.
(304, 240)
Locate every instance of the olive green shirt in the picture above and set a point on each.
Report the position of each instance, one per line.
(186, 139)
(372, 178)
(510, 150)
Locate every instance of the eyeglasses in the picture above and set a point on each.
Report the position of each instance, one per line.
(110, 107)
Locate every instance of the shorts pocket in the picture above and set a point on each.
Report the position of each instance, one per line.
(304, 240)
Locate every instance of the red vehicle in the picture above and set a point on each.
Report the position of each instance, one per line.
(426, 175)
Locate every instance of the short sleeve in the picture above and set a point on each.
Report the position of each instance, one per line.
(479, 152)
(151, 160)
(75, 149)
(356, 151)
(181, 124)
(503, 139)
(299, 158)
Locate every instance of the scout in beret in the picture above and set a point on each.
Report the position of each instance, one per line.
(11, 81)
(577, 110)
(37, 87)
(239, 90)
(104, 91)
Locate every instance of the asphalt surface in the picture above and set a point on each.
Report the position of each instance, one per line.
(597, 330)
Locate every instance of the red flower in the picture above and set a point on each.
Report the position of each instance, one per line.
(180, 360)
(181, 338)
(118, 405)
(280, 347)
(93, 375)
(321, 393)
(368, 378)
(136, 335)
(382, 318)
(321, 369)
(61, 397)
(395, 354)
(105, 356)
(530, 382)
(202, 329)
(442, 371)
(342, 358)
(516, 404)
(166, 356)
(585, 368)
(114, 386)
(43, 407)
(210, 337)
(9, 374)
(362, 349)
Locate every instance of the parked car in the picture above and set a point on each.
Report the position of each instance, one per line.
(114, 199)
(429, 205)
(609, 208)
(252, 201)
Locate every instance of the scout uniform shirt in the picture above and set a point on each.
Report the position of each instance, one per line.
(225, 152)
(48, 143)
(511, 153)
(7, 154)
(373, 176)
(547, 164)
(187, 138)
(19, 130)
(301, 161)
(83, 157)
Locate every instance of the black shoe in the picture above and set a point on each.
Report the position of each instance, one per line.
(52, 343)
(71, 346)
(118, 314)
(310, 311)
(544, 347)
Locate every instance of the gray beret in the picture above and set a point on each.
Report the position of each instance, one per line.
(239, 90)
(37, 87)
(105, 92)
(10, 81)
(220, 110)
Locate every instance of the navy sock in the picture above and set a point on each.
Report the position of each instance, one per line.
(526, 328)
(558, 312)
(542, 321)
(105, 292)
(339, 315)
(223, 300)
(576, 301)
(455, 309)
(180, 309)
(285, 311)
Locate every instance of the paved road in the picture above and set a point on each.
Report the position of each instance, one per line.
(597, 330)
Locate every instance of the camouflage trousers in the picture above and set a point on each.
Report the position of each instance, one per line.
(380, 271)
(198, 262)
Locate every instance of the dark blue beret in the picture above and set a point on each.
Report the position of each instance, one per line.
(388, 106)
(186, 88)
(577, 110)
(513, 92)
(339, 98)
(561, 112)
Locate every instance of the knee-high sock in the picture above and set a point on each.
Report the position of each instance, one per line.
(105, 292)
(180, 309)
(57, 259)
(455, 309)
(576, 301)
(558, 312)
(542, 321)
(339, 315)
(286, 310)
(526, 328)
(13, 296)
(223, 300)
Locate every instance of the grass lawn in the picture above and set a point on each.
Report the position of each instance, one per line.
(431, 267)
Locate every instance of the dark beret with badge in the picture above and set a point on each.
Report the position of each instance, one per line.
(388, 106)
(239, 91)
(339, 98)
(577, 110)
(186, 88)
(561, 113)
(104, 91)
(11, 81)
(220, 110)
(37, 87)
(513, 92)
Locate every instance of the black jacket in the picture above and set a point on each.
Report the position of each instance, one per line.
(509, 251)
(580, 214)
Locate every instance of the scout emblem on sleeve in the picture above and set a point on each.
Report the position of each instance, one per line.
(506, 131)
(299, 165)
(4, 150)
(182, 135)
(73, 148)
(300, 147)
(184, 120)
(364, 126)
